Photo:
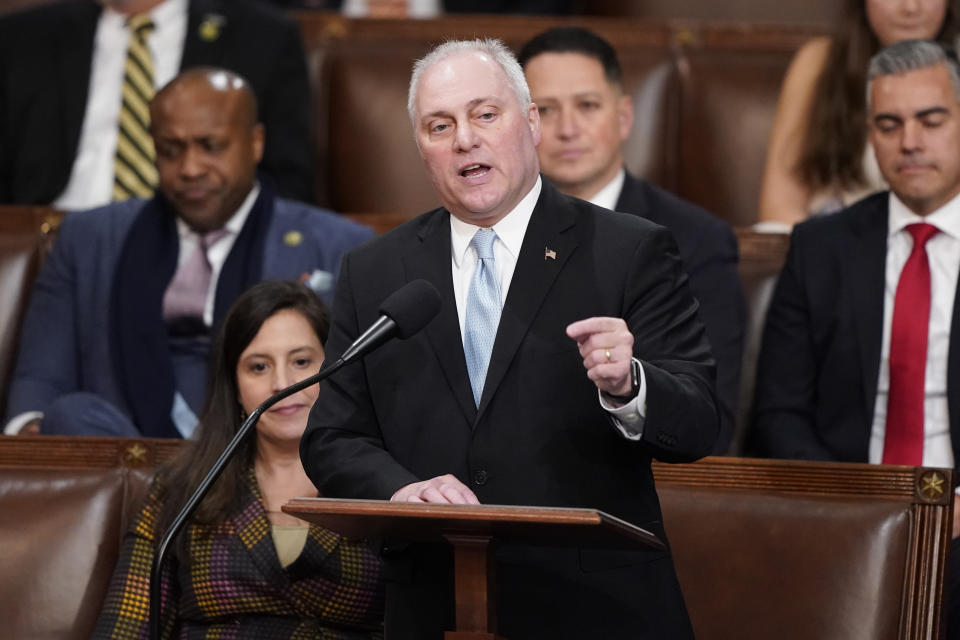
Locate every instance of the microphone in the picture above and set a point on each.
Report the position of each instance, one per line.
(404, 312)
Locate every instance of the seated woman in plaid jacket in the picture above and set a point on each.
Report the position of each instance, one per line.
(241, 567)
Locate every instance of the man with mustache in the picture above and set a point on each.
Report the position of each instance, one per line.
(857, 362)
(118, 328)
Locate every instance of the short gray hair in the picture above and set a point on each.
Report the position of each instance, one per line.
(912, 55)
(493, 47)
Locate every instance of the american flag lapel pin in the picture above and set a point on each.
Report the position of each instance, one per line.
(549, 253)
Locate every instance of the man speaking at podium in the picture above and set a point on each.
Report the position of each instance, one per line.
(566, 355)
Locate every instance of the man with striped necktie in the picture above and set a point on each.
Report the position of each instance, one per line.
(75, 79)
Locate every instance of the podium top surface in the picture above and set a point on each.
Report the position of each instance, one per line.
(551, 526)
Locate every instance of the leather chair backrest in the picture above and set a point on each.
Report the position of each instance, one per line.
(798, 550)
(23, 241)
(728, 103)
(65, 505)
(821, 12)
(374, 165)
(761, 259)
(705, 97)
(650, 78)
(773, 566)
(60, 531)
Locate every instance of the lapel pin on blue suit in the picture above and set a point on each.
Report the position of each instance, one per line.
(549, 253)
(292, 238)
(209, 29)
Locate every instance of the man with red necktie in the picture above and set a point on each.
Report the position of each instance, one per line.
(857, 362)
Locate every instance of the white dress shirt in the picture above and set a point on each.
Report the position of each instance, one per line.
(510, 231)
(943, 251)
(91, 179)
(415, 8)
(216, 254)
(609, 194)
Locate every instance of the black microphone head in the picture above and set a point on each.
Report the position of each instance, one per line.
(412, 306)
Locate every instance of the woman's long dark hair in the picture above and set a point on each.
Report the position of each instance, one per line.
(836, 133)
(222, 413)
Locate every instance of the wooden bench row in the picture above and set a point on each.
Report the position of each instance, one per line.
(764, 549)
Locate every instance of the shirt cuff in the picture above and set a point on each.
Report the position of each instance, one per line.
(629, 418)
(19, 422)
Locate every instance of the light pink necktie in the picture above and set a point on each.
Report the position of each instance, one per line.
(186, 295)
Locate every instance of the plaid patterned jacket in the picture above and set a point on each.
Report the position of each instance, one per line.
(235, 587)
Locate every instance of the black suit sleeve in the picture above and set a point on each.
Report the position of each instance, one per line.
(715, 283)
(682, 422)
(284, 99)
(263, 45)
(343, 449)
(787, 370)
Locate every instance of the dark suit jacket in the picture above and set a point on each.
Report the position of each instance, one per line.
(539, 436)
(67, 345)
(818, 368)
(708, 250)
(45, 57)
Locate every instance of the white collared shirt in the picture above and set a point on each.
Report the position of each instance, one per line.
(943, 251)
(216, 254)
(608, 196)
(91, 179)
(510, 231)
(628, 418)
(506, 249)
(415, 8)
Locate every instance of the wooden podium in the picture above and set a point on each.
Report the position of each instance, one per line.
(473, 530)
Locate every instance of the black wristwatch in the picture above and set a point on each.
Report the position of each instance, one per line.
(634, 383)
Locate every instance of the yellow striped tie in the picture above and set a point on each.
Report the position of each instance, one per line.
(134, 174)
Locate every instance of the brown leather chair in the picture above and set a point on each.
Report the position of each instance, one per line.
(799, 550)
(25, 237)
(705, 96)
(820, 12)
(728, 102)
(761, 259)
(763, 548)
(65, 504)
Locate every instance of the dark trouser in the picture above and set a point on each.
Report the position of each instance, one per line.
(951, 592)
(86, 414)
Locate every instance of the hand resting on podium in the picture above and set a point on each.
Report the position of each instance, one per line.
(445, 489)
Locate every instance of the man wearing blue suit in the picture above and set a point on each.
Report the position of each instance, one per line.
(117, 332)
(576, 81)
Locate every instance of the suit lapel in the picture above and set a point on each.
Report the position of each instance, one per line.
(532, 279)
(75, 59)
(252, 526)
(205, 33)
(633, 200)
(430, 260)
(868, 278)
(953, 378)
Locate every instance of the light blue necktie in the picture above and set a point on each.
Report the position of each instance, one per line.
(483, 312)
